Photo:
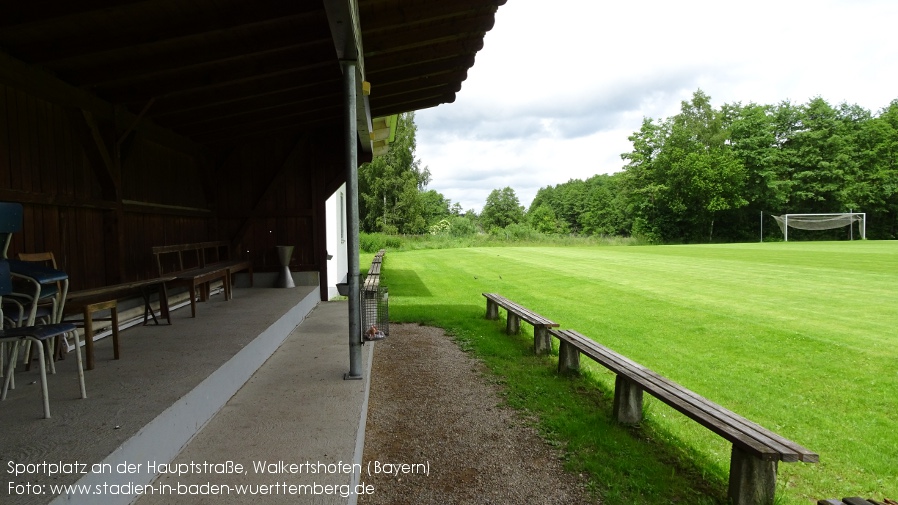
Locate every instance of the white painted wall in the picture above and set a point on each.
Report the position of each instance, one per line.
(338, 265)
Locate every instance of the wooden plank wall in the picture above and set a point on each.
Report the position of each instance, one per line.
(269, 192)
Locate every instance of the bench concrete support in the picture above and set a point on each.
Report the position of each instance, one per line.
(627, 401)
(568, 357)
(513, 325)
(542, 342)
(492, 309)
(752, 480)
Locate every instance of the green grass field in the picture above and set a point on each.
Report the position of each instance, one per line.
(799, 337)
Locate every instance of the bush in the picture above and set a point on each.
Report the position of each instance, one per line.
(372, 242)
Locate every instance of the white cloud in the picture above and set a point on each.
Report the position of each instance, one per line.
(560, 85)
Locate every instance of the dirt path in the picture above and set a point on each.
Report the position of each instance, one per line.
(432, 404)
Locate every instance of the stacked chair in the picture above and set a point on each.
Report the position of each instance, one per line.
(37, 296)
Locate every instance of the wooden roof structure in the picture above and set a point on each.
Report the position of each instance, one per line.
(154, 122)
(218, 71)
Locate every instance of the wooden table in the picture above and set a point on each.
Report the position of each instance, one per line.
(89, 301)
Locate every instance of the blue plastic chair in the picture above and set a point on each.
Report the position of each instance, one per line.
(10, 222)
(38, 335)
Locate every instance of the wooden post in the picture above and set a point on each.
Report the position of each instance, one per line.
(627, 401)
(513, 325)
(492, 309)
(752, 480)
(542, 342)
(568, 358)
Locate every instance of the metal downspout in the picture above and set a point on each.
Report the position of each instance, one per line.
(352, 215)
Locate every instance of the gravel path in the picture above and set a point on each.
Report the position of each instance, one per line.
(432, 404)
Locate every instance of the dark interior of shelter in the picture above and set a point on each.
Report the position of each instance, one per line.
(129, 124)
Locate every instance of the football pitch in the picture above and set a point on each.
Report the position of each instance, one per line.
(799, 337)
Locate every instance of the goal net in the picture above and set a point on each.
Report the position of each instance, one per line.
(822, 222)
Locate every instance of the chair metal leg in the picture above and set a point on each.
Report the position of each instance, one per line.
(10, 379)
(79, 365)
(43, 365)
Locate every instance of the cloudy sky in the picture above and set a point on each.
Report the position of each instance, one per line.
(560, 84)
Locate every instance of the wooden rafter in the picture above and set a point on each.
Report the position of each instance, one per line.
(290, 160)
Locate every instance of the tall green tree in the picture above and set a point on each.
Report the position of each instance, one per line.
(683, 173)
(391, 186)
(501, 209)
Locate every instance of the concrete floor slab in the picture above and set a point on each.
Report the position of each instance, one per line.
(170, 381)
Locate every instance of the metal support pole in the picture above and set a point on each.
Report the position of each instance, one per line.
(352, 214)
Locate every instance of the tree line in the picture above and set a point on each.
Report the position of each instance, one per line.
(705, 174)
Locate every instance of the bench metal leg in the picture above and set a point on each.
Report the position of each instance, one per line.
(542, 342)
(627, 401)
(568, 358)
(513, 325)
(752, 480)
(492, 309)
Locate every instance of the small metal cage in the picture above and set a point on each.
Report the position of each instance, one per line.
(376, 311)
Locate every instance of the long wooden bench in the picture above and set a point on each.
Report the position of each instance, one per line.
(756, 450)
(542, 342)
(372, 280)
(199, 264)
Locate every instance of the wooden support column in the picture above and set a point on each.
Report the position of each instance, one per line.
(513, 324)
(568, 358)
(492, 310)
(627, 401)
(752, 479)
(542, 342)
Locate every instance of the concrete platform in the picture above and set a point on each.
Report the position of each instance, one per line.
(146, 407)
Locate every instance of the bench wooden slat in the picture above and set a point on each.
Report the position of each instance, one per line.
(718, 419)
(116, 289)
(522, 312)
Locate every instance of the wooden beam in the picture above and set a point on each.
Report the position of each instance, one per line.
(140, 87)
(57, 200)
(421, 69)
(87, 131)
(292, 158)
(425, 34)
(418, 11)
(127, 66)
(40, 10)
(157, 27)
(40, 84)
(291, 122)
(210, 121)
(175, 109)
(407, 102)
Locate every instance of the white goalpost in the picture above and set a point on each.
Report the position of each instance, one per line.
(822, 222)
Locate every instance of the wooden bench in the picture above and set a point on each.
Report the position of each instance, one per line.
(755, 451)
(87, 302)
(542, 342)
(372, 280)
(199, 264)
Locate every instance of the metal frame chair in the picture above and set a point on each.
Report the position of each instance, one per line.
(36, 335)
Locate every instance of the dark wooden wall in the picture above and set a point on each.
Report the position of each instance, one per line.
(100, 210)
